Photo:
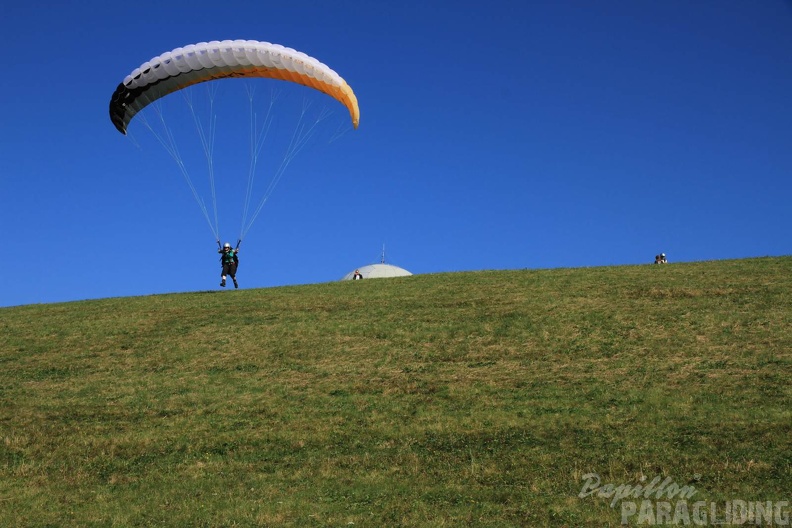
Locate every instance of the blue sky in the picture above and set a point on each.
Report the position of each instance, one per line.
(493, 135)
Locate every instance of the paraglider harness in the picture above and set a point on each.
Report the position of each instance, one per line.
(229, 259)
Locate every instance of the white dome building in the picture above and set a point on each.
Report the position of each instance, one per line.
(378, 271)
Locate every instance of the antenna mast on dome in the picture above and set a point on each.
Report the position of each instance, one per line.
(382, 259)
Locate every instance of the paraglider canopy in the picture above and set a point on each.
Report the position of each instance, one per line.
(177, 70)
(206, 61)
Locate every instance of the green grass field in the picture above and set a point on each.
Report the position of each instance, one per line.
(458, 399)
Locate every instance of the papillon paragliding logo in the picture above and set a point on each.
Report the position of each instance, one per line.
(190, 65)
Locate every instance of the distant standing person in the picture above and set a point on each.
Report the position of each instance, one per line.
(357, 275)
(229, 259)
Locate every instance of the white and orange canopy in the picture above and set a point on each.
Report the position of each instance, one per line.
(207, 61)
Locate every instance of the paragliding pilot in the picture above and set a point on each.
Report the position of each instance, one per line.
(229, 258)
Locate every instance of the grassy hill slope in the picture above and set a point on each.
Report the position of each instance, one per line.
(477, 398)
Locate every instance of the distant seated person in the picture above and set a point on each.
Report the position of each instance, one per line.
(660, 259)
(357, 275)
